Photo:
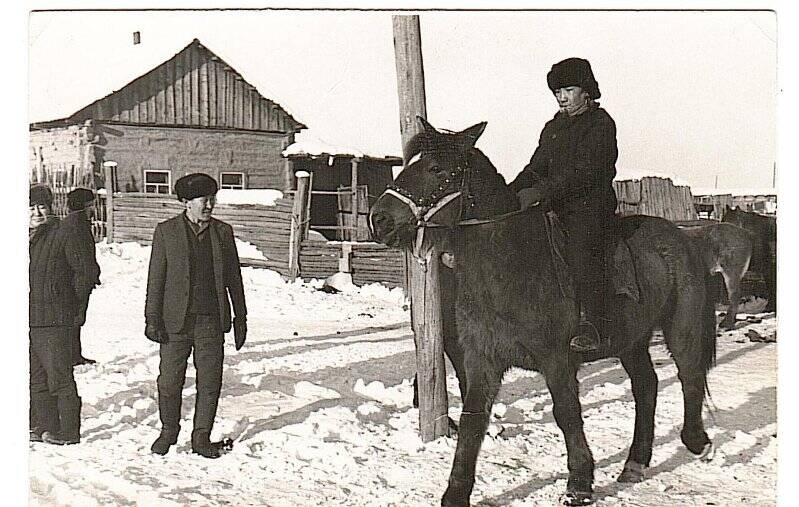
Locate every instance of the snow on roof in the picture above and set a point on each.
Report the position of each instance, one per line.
(307, 145)
(735, 191)
(263, 196)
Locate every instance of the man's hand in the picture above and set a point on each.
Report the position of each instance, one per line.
(240, 331)
(154, 330)
(529, 197)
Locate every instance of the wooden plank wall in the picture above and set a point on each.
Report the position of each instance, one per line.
(370, 262)
(655, 196)
(266, 227)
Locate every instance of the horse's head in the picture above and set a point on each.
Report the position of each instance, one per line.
(445, 180)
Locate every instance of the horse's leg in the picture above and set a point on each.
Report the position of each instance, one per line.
(482, 386)
(561, 377)
(452, 347)
(685, 340)
(638, 364)
(733, 271)
(770, 277)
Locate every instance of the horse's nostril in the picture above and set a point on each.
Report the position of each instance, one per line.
(381, 223)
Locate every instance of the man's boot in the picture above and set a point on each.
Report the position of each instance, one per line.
(43, 416)
(202, 445)
(164, 441)
(69, 415)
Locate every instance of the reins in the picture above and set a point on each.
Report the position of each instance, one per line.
(479, 221)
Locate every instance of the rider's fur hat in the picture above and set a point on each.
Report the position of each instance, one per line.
(574, 72)
(195, 185)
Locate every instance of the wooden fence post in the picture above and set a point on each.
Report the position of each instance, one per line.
(424, 277)
(353, 236)
(110, 169)
(298, 219)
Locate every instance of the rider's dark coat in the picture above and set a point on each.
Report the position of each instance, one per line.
(575, 162)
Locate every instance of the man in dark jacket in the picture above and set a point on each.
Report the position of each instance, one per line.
(58, 283)
(81, 210)
(194, 267)
(571, 171)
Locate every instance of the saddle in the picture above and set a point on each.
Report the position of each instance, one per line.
(618, 261)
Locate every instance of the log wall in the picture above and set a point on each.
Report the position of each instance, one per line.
(656, 197)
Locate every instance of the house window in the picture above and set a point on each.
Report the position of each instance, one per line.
(232, 180)
(157, 182)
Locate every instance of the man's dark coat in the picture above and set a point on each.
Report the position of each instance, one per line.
(78, 223)
(56, 274)
(168, 281)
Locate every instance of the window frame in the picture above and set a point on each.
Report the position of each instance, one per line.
(234, 187)
(158, 185)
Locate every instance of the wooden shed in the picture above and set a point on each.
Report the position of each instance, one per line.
(656, 196)
(335, 172)
(712, 203)
(191, 113)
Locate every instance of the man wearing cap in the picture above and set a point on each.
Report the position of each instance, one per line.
(81, 210)
(571, 172)
(194, 276)
(58, 284)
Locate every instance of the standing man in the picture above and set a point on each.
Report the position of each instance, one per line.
(194, 275)
(81, 211)
(573, 169)
(58, 285)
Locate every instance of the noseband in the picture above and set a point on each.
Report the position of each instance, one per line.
(424, 208)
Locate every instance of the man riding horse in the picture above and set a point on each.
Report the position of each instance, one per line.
(571, 172)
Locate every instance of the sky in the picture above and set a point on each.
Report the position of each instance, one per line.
(693, 94)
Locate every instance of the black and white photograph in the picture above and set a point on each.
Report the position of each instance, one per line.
(401, 256)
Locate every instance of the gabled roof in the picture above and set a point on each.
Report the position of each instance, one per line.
(193, 88)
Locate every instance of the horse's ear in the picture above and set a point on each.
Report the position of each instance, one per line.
(473, 133)
(426, 127)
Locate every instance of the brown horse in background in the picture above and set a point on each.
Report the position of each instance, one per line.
(764, 247)
(727, 249)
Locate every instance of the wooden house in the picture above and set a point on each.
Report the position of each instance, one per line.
(191, 113)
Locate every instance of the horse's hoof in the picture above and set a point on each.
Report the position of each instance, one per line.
(708, 452)
(574, 498)
(633, 472)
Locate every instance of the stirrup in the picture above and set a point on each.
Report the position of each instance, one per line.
(588, 338)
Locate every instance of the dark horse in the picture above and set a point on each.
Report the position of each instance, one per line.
(764, 247)
(510, 310)
(727, 249)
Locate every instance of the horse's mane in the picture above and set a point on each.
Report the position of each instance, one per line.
(486, 185)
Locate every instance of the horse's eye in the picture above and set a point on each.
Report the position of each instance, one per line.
(435, 168)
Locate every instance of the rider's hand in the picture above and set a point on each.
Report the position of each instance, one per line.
(529, 197)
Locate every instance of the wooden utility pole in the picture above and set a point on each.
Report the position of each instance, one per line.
(423, 273)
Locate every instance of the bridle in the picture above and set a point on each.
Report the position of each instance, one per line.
(425, 207)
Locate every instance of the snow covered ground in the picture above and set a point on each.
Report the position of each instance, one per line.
(319, 404)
